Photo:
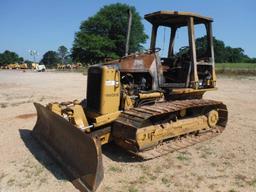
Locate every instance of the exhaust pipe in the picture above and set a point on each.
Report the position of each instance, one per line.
(128, 32)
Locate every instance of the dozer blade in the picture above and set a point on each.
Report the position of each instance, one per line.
(79, 154)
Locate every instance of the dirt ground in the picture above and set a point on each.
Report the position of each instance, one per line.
(226, 163)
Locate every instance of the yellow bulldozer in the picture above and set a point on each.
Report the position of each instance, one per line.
(146, 104)
(24, 66)
(13, 66)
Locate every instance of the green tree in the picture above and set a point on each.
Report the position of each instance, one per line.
(222, 52)
(104, 34)
(8, 57)
(50, 58)
(252, 60)
(20, 60)
(28, 62)
(63, 52)
(68, 59)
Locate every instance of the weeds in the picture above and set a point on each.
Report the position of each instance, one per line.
(38, 170)
(10, 182)
(115, 169)
(252, 182)
(182, 157)
(142, 180)
(241, 180)
(152, 177)
(206, 151)
(132, 189)
(145, 169)
(165, 181)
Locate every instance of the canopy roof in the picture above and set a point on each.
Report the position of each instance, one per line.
(175, 18)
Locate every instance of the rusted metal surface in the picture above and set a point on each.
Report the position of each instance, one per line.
(148, 62)
(174, 18)
(137, 63)
(79, 154)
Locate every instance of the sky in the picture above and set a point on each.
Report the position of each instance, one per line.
(44, 25)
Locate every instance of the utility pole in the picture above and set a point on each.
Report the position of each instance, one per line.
(33, 53)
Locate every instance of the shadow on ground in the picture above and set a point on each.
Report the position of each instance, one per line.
(116, 153)
(111, 150)
(47, 161)
(41, 155)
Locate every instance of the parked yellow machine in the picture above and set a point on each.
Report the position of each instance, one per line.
(23, 66)
(13, 66)
(148, 105)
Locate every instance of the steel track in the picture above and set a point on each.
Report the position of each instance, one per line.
(179, 143)
(138, 117)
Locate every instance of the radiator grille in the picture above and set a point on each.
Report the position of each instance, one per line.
(94, 89)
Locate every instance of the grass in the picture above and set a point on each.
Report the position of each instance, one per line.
(236, 65)
(132, 189)
(165, 181)
(82, 70)
(115, 169)
(38, 170)
(142, 180)
(144, 168)
(183, 156)
(231, 190)
(221, 68)
(152, 175)
(242, 180)
(206, 152)
(252, 182)
(236, 68)
(10, 182)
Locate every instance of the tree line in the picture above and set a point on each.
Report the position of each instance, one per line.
(52, 58)
(103, 36)
(224, 53)
(9, 57)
